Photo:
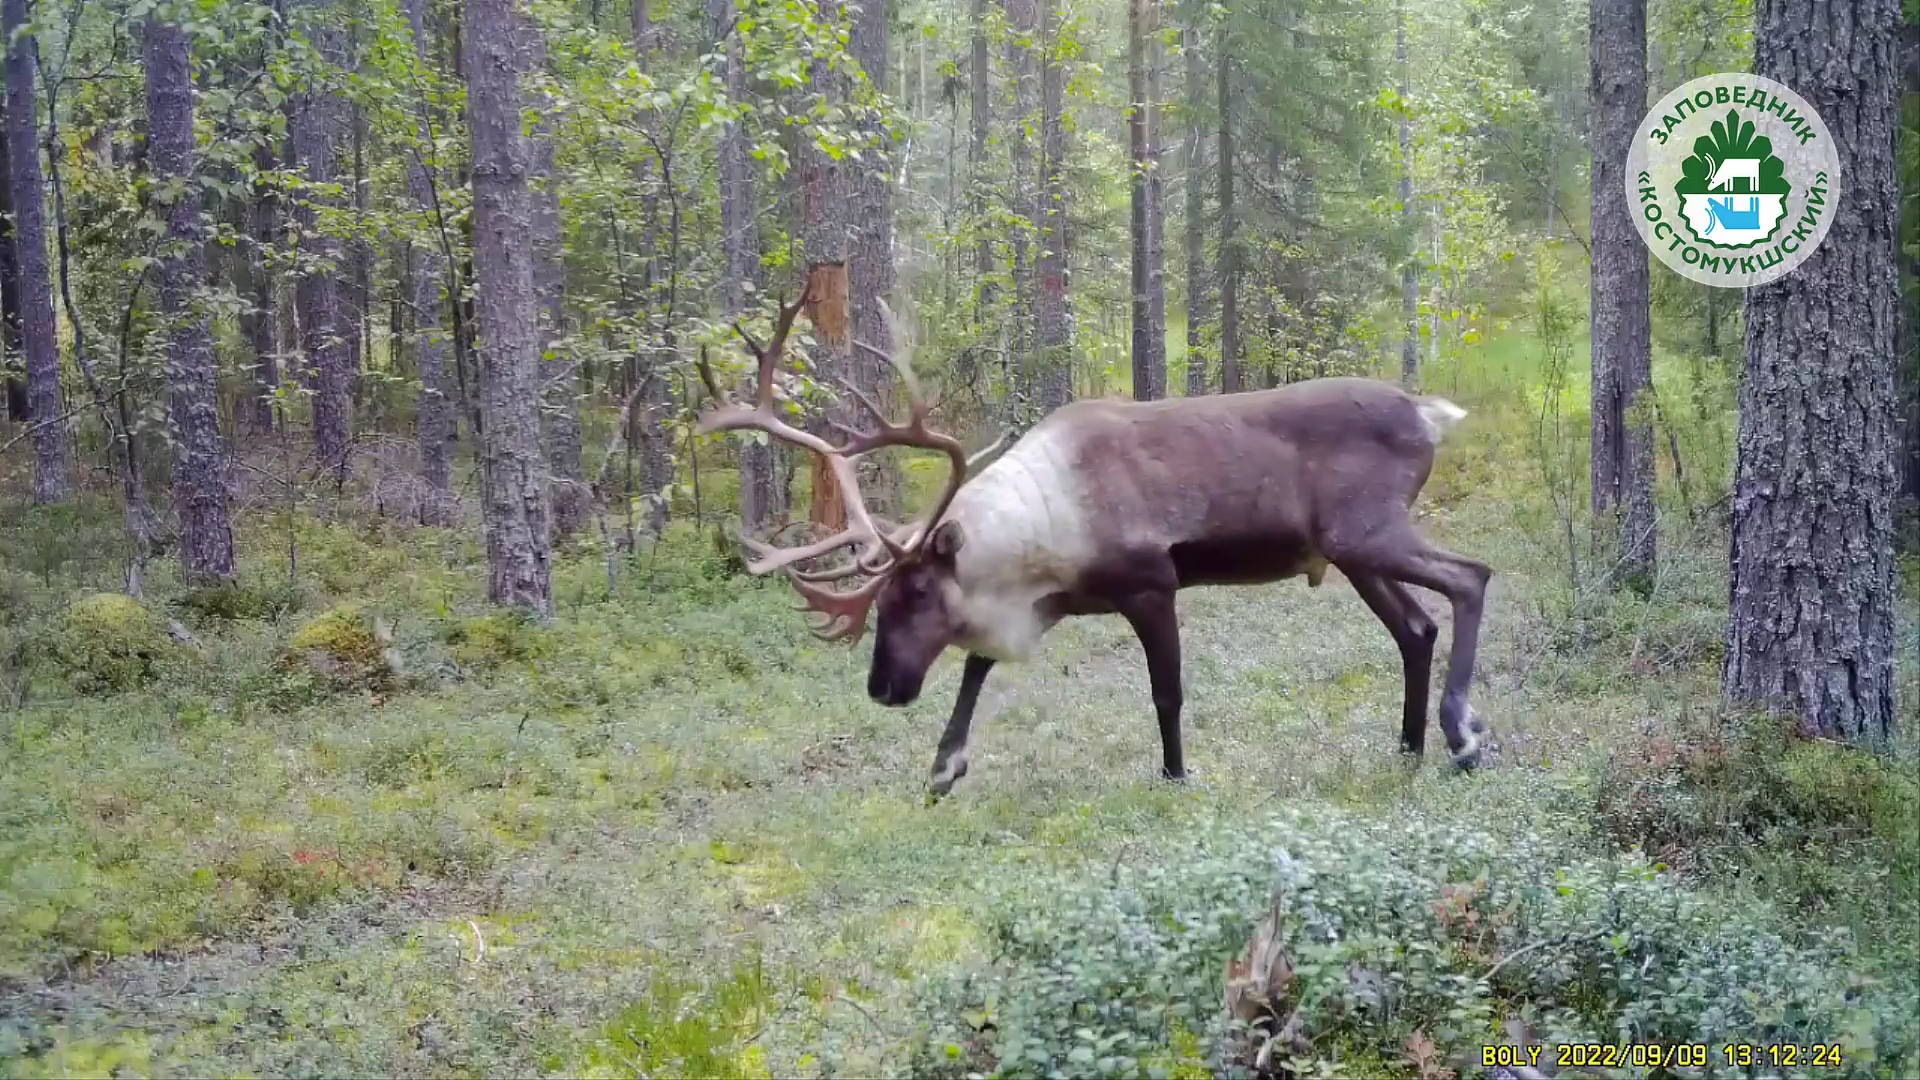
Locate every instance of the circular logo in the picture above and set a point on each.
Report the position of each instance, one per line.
(1733, 180)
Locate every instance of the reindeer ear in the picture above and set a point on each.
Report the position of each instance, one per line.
(946, 540)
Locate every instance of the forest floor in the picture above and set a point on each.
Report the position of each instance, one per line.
(670, 834)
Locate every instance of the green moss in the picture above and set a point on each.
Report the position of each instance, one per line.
(109, 643)
(344, 648)
(488, 641)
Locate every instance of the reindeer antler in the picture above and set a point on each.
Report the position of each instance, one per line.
(883, 546)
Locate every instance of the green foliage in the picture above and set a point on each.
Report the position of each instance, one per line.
(109, 643)
(233, 601)
(683, 1029)
(1392, 928)
(496, 638)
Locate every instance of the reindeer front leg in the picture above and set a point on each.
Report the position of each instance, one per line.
(950, 760)
(1154, 620)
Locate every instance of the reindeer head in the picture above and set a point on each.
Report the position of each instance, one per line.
(908, 571)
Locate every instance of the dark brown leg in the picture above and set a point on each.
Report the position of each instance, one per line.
(950, 760)
(1414, 631)
(1152, 615)
(1400, 554)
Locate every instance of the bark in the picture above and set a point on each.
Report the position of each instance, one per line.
(1409, 271)
(260, 319)
(52, 446)
(1196, 213)
(513, 491)
(825, 227)
(1622, 347)
(193, 408)
(870, 272)
(655, 399)
(560, 383)
(19, 404)
(428, 279)
(1156, 207)
(1144, 382)
(1229, 240)
(1023, 25)
(1810, 625)
(326, 335)
(761, 497)
(981, 115)
(1910, 306)
(1053, 325)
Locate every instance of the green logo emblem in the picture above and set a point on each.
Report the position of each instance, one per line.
(1733, 190)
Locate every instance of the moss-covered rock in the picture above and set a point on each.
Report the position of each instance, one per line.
(346, 648)
(109, 643)
(486, 641)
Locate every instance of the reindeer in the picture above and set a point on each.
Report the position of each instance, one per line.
(1111, 507)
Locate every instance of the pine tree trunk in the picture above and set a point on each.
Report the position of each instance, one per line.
(1810, 627)
(1196, 212)
(981, 85)
(1137, 106)
(193, 407)
(513, 491)
(1229, 240)
(870, 272)
(326, 336)
(825, 234)
(19, 403)
(559, 381)
(260, 319)
(1409, 271)
(1023, 25)
(761, 502)
(52, 448)
(1156, 208)
(1622, 349)
(427, 275)
(656, 393)
(1053, 324)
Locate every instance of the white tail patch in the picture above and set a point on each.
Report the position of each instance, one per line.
(1440, 414)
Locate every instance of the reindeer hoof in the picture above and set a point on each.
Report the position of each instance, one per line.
(1179, 777)
(1467, 758)
(945, 775)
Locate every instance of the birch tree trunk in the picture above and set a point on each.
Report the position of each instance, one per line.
(1622, 346)
(1810, 626)
(514, 512)
(193, 408)
(52, 448)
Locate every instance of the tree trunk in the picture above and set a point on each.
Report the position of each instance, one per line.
(1196, 211)
(1149, 336)
(1229, 240)
(1622, 349)
(1810, 627)
(260, 319)
(428, 278)
(52, 449)
(870, 272)
(1156, 206)
(513, 491)
(761, 502)
(559, 382)
(326, 336)
(19, 402)
(981, 114)
(1023, 25)
(1053, 325)
(1409, 271)
(825, 232)
(193, 407)
(656, 393)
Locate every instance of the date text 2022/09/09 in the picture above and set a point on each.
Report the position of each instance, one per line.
(1666, 1055)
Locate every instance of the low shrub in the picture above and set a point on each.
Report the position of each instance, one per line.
(109, 643)
(488, 641)
(1392, 946)
(232, 602)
